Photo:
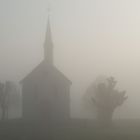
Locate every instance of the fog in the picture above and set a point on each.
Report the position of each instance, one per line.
(91, 38)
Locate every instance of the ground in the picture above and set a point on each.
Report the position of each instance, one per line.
(122, 130)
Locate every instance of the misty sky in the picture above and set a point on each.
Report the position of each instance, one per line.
(91, 38)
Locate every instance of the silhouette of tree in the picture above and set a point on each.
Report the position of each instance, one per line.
(3, 101)
(5, 90)
(106, 99)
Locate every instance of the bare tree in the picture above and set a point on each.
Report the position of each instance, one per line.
(106, 99)
(3, 101)
(5, 90)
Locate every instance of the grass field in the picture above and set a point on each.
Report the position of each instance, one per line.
(77, 130)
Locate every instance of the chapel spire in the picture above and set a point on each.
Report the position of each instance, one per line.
(48, 45)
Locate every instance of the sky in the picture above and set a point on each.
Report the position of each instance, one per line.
(91, 38)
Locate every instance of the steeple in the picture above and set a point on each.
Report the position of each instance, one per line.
(48, 45)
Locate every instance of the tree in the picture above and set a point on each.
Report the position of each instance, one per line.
(8, 97)
(106, 98)
(3, 101)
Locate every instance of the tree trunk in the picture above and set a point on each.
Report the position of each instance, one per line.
(104, 118)
(3, 113)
